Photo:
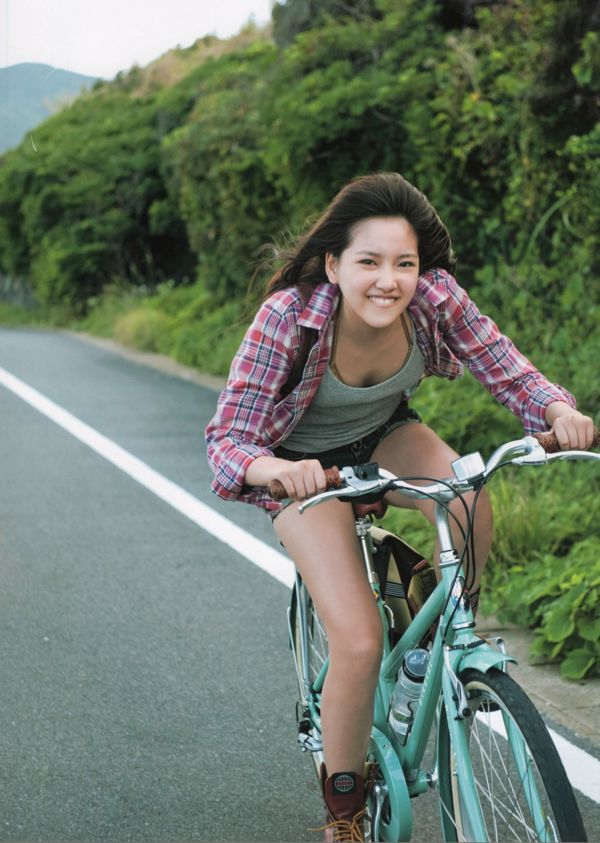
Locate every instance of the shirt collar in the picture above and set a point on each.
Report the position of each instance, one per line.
(321, 306)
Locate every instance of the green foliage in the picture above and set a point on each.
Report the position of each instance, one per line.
(141, 328)
(15, 315)
(75, 208)
(215, 172)
(342, 102)
(182, 322)
(295, 16)
(144, 205)
(558, 596)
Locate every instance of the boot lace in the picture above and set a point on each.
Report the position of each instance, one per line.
(346, 831)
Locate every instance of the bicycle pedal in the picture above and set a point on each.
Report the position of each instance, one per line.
(309, 743)
(304, 726)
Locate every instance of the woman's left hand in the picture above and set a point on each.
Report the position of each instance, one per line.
(572, 429)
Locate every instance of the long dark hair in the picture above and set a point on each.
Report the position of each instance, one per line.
(376, 195)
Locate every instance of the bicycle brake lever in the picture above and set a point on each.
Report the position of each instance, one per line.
(354, 488)
(323, 496)
(537, 455)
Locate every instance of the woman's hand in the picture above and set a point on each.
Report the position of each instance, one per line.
(572, 429)
(301, 479)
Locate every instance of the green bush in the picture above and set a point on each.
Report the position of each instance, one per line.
(12, 314)
(558, 597)
(207, 342)
(141, 328)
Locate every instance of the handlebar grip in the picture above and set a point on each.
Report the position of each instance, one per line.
(333, 478)
(550, 444)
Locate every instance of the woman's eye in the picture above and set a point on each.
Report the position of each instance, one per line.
(368, 261)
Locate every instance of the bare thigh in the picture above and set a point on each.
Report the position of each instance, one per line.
(415, 450)
(323, 544)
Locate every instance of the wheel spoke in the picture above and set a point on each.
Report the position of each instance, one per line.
(520, 783)
(504, 782)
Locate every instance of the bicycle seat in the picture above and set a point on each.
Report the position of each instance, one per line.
(377, 508)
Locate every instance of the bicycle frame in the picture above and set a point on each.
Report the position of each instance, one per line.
(401, 764)
(457, 655)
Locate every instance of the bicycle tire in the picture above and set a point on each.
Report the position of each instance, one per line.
(317, 647)
(505, 795)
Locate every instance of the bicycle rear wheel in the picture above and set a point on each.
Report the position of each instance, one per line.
(521, 783)
(309, 640)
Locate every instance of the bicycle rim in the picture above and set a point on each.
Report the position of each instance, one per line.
(317, 648)
(521, 784)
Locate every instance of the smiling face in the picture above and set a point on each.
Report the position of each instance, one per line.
(377, 272)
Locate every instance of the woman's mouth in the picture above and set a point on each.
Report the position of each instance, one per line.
(383, 301)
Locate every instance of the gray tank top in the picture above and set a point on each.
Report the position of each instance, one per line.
(339, 414)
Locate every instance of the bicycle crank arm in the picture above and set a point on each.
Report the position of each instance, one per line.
(380, 794)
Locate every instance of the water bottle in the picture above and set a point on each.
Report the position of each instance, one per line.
(407, 692)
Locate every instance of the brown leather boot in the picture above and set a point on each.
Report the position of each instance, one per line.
(344, 795)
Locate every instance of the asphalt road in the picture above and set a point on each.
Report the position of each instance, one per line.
(147, 688)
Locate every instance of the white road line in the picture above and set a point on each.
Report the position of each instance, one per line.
(253, 549)
(582, 768)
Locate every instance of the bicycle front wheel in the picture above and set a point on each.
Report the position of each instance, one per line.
(521, 784)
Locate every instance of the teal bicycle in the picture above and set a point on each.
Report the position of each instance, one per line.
(449, 719)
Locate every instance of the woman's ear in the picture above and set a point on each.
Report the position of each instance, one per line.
(331, 265)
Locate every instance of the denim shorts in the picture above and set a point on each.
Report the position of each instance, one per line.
(354, 453)
(359, 451)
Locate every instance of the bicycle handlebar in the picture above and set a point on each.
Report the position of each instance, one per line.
(532, 450)
(549, 442)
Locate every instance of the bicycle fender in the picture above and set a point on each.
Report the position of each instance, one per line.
(483, 658)
(400, 825)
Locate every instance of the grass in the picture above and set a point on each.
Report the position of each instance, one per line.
(12, 315)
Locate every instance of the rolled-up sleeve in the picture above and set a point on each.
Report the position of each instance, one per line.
(240, 430)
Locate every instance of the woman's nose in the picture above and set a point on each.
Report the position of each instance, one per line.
(386, 278)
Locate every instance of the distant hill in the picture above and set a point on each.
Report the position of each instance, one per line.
(29, 93)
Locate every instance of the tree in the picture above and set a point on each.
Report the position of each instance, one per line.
(294, 16)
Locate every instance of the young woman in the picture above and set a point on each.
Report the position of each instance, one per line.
(365, 307)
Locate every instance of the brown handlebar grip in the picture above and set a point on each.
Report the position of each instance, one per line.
(550, 444)
(333, 478)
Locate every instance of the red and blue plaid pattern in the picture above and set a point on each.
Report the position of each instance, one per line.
(252, 418)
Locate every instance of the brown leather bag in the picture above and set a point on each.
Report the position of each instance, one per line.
(406, 578)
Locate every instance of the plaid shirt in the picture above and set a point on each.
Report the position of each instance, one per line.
(252, 418)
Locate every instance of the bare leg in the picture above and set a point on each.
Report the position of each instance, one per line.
(323, 544)
(414, 450)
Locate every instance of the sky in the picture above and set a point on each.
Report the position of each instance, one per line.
(102, 37)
